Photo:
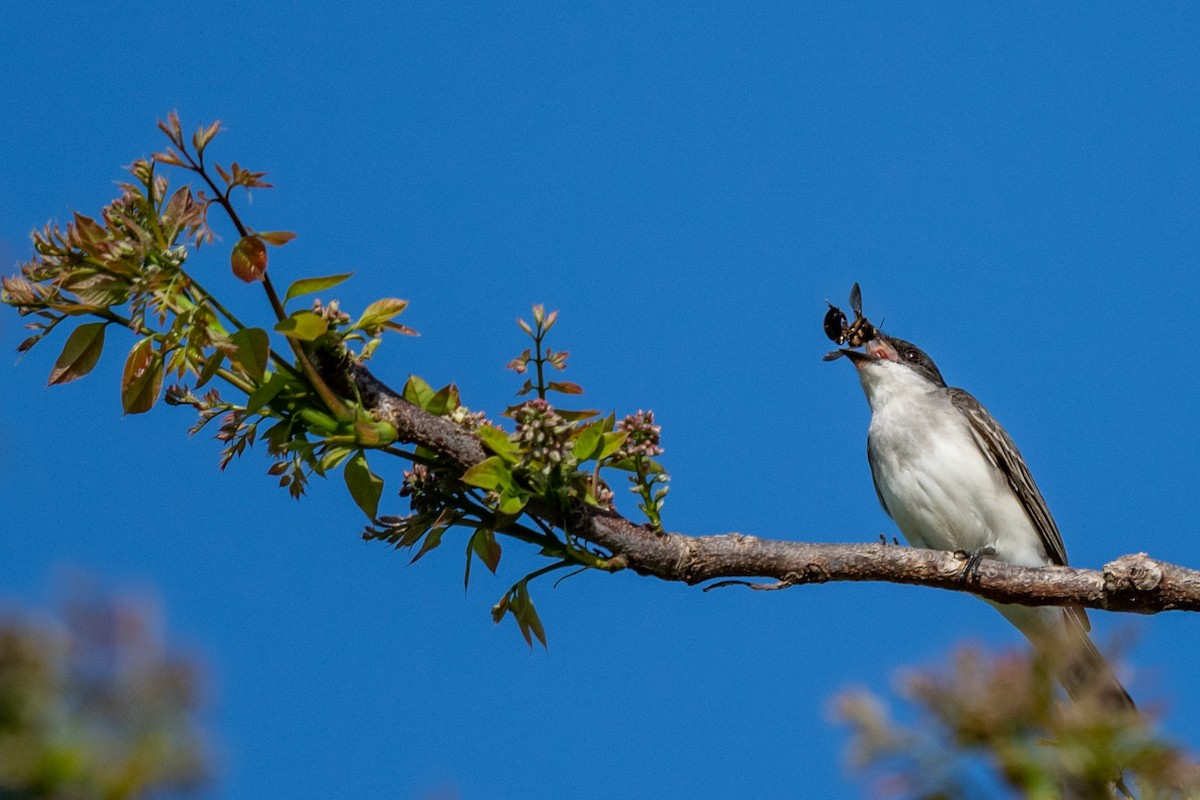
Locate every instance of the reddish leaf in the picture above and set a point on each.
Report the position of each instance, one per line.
(79, 354)
(249, 259)
(172, 128)
(142, 378)
(566, 387)
(169, 156)
(277, 238)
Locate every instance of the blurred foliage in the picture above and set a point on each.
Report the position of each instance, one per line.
(994, 726)
(288, 384)
(92, 706)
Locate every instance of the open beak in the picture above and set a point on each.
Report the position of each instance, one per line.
(877, 349)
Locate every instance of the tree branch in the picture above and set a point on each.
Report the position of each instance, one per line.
(1133, 583)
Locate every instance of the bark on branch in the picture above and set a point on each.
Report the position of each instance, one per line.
(1133, 583)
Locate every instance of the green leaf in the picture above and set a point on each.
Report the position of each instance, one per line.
(517, 603)
(417, 391)
(141, 381)
(80, 354)
(253, 349)
(611, 442)
(445, 401)
(498, 442)
(249, 259)
(587, 441)
(380, 312)
(365, 486)
(211, 365)
(303, 325)
(332, 457)
(267, 392)
(576, 416)
(512, 500)
(491, 473)
(311, 285)
(484, 543)
(432, 540)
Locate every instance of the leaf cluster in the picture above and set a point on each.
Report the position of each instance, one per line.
(95, 708)
(287, 383)
(993, 724)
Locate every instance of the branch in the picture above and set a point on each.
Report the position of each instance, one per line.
(1134, 583)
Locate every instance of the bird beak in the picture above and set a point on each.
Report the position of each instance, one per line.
(878, 349)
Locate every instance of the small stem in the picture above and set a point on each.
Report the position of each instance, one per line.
(541, 383)
(235, 379)
(273, 297)
(327, 395)
(214, 302)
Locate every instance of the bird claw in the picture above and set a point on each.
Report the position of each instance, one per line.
(971, 568)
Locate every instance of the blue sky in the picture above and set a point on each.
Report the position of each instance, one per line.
(1016, 188)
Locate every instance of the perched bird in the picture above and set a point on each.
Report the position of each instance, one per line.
(952, 479)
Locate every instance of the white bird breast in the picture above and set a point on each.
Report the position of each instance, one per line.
(939, 487)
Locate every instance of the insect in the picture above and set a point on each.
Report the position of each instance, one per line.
(855, 334)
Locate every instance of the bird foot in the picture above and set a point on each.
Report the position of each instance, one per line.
(971, 568)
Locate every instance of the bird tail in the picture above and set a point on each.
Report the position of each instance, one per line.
(1085, 673)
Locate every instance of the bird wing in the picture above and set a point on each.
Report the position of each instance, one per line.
(996, 444)
(999, 448)
(874, 478)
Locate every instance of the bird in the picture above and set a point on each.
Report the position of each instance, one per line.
(951, 478)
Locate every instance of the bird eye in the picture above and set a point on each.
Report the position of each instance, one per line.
(912, 355)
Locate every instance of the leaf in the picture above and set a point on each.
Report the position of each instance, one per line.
(517, 603)
(565, 387)
(587, 441)
(172, 128)
(332, 457)
(89, 230)
(80, 354)
(203, 136)
(249, 259)
(168, 157)
(253, 351)
(142, 378)
(276, 238)
(491, 473)
(611, 443)
(432, 540)
(306, 326)
(267, 392)
(576, 416)
(417, 391)
(310, 285)
(211, 365)
(445, 401)
(365, 486)
(484, 543)
(498, 442)
(380, 312)
(398, 328)
(512, 500)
